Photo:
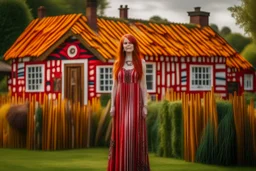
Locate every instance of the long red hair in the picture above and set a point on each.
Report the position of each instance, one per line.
(120, 57)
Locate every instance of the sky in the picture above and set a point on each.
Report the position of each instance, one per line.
(176, 10)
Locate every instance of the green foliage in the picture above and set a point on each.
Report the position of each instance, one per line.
(171, 130)
(220, 151)
(165, 131)
(3, 84)
(245, 15)
(39, 119)
(104, 98)
(59, 7)
(226, 141)
(215, 27)
(157, 18)
(153, 126)
(205, 152)
(248, 96)
(175, 110)
(225, 31)
(14, 18)
(249, 53)
(237, 41)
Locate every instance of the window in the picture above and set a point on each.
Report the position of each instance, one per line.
(150, 77)
(35, 78)
(248, 82)
(104, 79)
(201, 77)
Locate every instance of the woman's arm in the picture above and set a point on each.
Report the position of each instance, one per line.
(113, 95)
(143, 86)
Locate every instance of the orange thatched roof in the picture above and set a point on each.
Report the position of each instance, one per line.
(42, 36)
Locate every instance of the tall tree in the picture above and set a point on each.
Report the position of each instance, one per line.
(14, 18)
(245, 16)
(58, 7)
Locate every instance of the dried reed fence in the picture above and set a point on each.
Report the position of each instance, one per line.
(198, 112)
(51, 124)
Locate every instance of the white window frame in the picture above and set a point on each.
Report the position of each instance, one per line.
(154, 77)
(98, 78)
(43, 77)
(190, 78)
(248, 77)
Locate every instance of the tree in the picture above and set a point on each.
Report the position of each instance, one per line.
(215, 27)
(249, 53)
(225, 31)
(59, 7)
(156, 18)
(238, 41)
(14, 18)
(245, 16)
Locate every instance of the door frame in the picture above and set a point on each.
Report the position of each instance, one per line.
(83, 61)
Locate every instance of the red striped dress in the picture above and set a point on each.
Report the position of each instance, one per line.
(128, 146)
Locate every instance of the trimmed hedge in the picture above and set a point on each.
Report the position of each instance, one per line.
(171, 130)
(153, 126)
(175, 110)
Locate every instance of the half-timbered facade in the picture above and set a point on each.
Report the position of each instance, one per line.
(72, 55)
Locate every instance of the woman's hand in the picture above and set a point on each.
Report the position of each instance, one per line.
(144, 111)
(112, 111)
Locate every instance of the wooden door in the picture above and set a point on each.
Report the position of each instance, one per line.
(233, 87)
(74, 82)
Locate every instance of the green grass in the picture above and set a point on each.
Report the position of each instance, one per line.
(93, 159)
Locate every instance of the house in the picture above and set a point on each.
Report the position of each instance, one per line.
(73, 55)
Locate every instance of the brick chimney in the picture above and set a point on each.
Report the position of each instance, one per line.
(199, 17)
(123, 11)
(91, 14)
(41, 12)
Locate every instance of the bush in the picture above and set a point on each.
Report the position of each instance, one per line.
(248, 96)
(220, 151)
(15, 16)
(153, 126)
(165, 131)
(249, 53)
(175, 110)
(104, 98)
(238, 41)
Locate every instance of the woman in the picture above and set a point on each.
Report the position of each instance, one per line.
(128, 146)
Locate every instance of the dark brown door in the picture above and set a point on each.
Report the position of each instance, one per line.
(74, 82)
(233, 87)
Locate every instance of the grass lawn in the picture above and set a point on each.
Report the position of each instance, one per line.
(93, 159)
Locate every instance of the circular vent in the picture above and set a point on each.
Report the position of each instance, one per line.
(72, 51)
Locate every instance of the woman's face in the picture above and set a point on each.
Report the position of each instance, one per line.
(127, 45)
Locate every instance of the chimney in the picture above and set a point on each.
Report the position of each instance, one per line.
(91, 14)
(199, 17)
(123, 12)
(41, 12)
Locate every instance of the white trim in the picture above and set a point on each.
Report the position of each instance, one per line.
(43, 77)
(85, 62)
(98, 78)
(154, 77)
(190, 78)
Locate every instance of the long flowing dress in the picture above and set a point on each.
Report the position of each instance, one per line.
(128, 146)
